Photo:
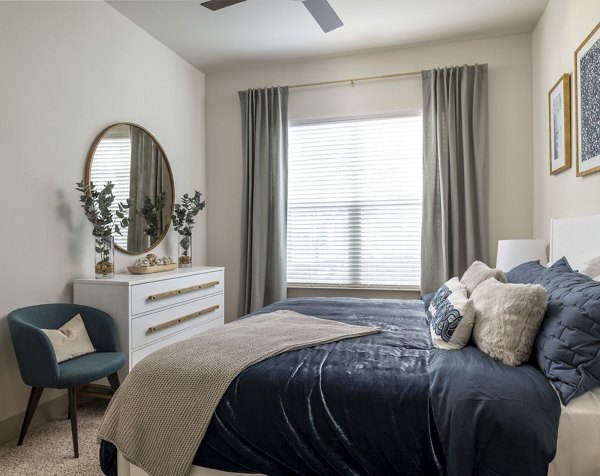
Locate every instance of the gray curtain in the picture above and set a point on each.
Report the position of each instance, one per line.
(455, 172)
(264, 240)
(148, 177)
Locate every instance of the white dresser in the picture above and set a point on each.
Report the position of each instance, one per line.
(154, 310)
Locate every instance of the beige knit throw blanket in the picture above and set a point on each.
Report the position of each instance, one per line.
(159, 415)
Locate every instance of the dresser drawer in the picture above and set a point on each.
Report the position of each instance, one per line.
(169, 292)
(158, 325)
(138, 302)
(139, 354)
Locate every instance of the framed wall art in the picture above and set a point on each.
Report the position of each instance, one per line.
(587, 103)
(559, 108)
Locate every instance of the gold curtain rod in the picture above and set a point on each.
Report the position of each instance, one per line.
(354, 80)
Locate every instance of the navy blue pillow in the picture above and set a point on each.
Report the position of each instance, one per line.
(567, 347)
(525, 273)
(557, 270)
(427, 299)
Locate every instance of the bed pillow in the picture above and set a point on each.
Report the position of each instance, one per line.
(590, 268)
(567, 348)
(525, 273)
(477, 273)
(560, 270)
(453, 284)
(507, 319)
(71, 340)
(452, 316)
(426, 298)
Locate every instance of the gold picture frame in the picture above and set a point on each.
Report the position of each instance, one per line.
(559, 124)
(587, 103)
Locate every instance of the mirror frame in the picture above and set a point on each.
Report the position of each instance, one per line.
(88, 173)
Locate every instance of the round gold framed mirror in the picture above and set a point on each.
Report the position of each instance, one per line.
(132, 159)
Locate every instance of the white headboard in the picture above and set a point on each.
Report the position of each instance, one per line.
(577, 238)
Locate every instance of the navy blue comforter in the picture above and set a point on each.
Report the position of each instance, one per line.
(380, 405)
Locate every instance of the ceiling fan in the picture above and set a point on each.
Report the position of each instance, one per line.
(319, 9)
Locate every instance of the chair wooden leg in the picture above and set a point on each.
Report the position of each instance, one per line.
(113, 379)
(34, 398)
(76, 403)
(73, 416)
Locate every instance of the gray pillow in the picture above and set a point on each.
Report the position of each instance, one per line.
(507, 319)
(567, 347)
(525, 273)
(477, 273)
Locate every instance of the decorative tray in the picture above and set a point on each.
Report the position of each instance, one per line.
(151, 269)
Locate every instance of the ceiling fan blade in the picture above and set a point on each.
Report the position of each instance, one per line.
(218, 4)
(323, 14)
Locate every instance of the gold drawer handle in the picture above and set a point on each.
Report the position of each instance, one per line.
(187, 317)
(176, 292)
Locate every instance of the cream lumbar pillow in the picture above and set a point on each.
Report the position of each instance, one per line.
(452, 316)
(71, 340)
(477, 273)
(507, 319)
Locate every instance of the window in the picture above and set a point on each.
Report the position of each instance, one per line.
(354, 202)
(115, 153)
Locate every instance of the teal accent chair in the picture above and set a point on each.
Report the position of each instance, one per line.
(37, 361)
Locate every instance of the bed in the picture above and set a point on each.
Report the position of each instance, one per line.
(579, 427)
(391, 404)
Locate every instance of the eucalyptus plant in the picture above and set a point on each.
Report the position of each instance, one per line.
(151, 213)
(96, 206)
(183, 218)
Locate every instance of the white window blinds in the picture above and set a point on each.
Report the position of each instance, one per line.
(354, 202)
(114, 154)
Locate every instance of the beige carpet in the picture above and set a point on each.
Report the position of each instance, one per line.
(48, 450)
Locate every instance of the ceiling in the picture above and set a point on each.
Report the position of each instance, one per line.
(259, 31)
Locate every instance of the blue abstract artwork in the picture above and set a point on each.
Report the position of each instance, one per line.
(589, 74)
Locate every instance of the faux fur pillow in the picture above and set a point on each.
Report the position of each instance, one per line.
(477, 273)
(507, 319)
(452, 316)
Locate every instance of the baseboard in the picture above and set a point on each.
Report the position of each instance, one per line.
(55, 409)
(51, 410)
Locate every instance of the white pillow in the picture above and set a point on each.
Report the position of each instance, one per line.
(507, 319)
(452, 316)
(477, 273)
(71, 340)
(590, 268)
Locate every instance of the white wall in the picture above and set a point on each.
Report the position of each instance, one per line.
(509, 60)
(68, 70)
(560, 31)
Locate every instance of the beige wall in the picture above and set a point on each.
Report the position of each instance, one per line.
(562, 28)
(68, 70)
(509, 60)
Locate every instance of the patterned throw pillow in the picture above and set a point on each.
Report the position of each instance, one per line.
(452, 316)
